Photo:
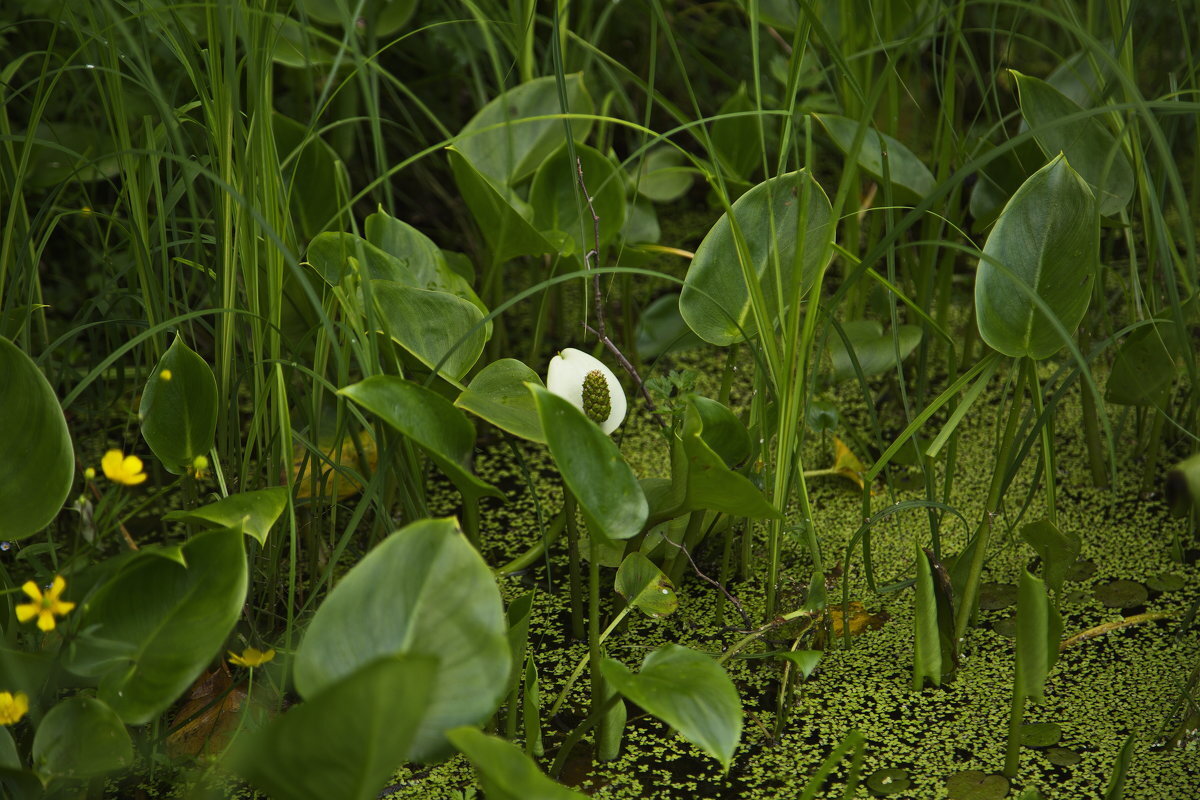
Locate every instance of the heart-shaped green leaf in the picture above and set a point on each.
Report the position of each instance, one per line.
(592, 468)
(407, 315)
(1058, 550)
(504, 772)
(1086, 143)
(875, 352)
(348, 738)
(497, 212)
(1039, 628)
(381, 19)
(906, 171)
(644, 586)
(558, 204)
(81, 738)
(150, 630)
(179, 407)
(39, 463)
(424, 591)
(253, 512)
(716, 301)
(662, 176)
(431, 421)
(687, 690)
(506, 145)
(497, 394)
(1047, 241)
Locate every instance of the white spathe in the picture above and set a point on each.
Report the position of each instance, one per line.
(565, 379)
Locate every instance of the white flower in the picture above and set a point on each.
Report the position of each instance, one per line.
(568, 373)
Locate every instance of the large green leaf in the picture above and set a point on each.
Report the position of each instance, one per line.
(179, 407)
(435, 327)
(381, 17)
(1087, 143)
(81, 738)
(39, 462)
(504, 772)
(905, 170)
(1039, 629)
(253, 512)
(875, 352)
(592, 468)
(497, 394)
(348, 738)
(497, 212)
(644, 586)
(662, 176)
(1144, 367)
(661, 329)
(505, 145)
(424, 591)
(431, 421)
(1047, 240)
(687, 690)
(1058, 550)
(558, 204)
(149, 631)
(715, 301)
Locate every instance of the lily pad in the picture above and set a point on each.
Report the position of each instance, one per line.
(971, 784)
(1081, 570)
(1006, 627)
(1165, 582)
(1040, 734)
(1121, 594)
(994, 596)
(1063, 756)
(888, 781)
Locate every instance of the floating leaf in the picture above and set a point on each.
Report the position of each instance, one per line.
(81, 738)
(254, 512)
(687, 690)
(1122, 594)
(905, 170)
(504, 772)
(971, 784)
(1081, 570)
(592, 468)
(994, 596)
(179, 408)
(1040, 734)
(1086, 142)
(425, 592)
(497, 394)
(716, 301)
(888, 781)
(1047, 241)
(645, 587)
(1165, 582)
(876, 353)
(1062, 756)
(39, 462)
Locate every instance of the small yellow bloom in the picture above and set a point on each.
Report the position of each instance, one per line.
(251, 657)
(165, 374)
(200, 467)
(44, 606)
(89, 474)
(13, 707)
(122, 468)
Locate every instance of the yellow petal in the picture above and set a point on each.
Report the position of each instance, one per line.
(27, 611)
(57, 586)
(46, 621)
(30, 588)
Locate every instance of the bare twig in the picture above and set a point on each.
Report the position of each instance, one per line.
(736, 603)
(1108, 627)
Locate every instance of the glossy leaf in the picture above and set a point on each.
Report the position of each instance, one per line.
(149, 631)
(431, 421)
(39, 462)
(1090, 147)
(381, 17)
(179, 408)
(715, 301)
(1058, 550)
(504, 772)
(497, 212)
(253, 512)
(1144, 369)
(661, 329)
(662, 176)
(876, 353)
(455, 341)
(497, 394)
(690, 692)
(645, 587)
(905, 170)
(81, 738)
(505, 146)
(1047, 240)
(424, 591)
(558, 203)
(592, 468)
(346, 740)
(1039, 629)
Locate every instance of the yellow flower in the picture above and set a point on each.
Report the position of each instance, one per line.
(165, 374)
(199, 467)
(13, 707)
(89, 474)
(44, 606)
(251, 657)
(122, 468)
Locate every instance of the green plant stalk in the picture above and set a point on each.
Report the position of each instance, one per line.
(1004, 447)
(575, 577)
(608, 734)
(583, 662)
(1012, 758)
(1091, 429)
(1048, 460)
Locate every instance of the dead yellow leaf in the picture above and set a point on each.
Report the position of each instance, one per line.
(344, 454)
(860, 620)
(846, 464)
